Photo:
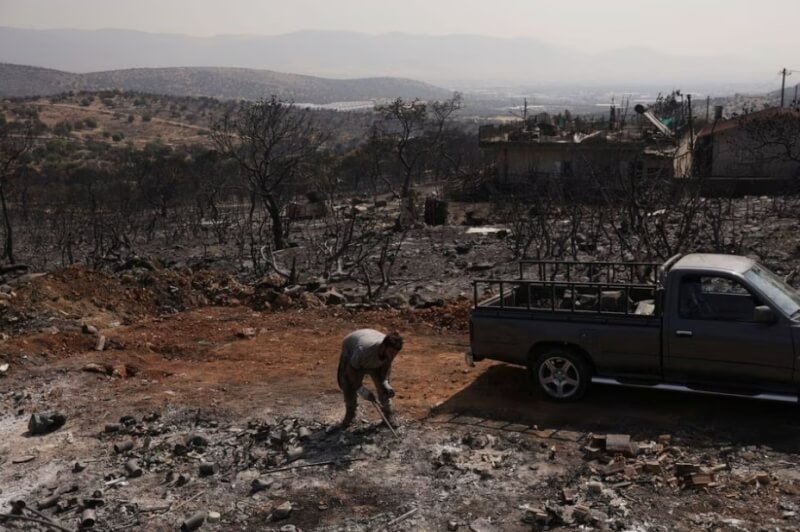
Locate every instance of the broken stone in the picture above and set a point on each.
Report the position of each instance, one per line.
(89, 329)
(197, 441)
(124, 446)
(613, 468)
(132, 469)
(207, 469)
(595, 487)
(332, 297)
(49, 502)
(304, 433)
(701, 480)
(582, 514)
(294, 453)
(3, 369)
(95, 368)
(282, 511)
(214, 517)
(194, 522)
(653, 467)
(619, 444)
(480, 266)
(684, 469)
(568, 495)
(112, 427)
(396, 301)
(247, 332)
(45, 423)
(536, 516)
(260, 484)
(101, 343)
(452, 526)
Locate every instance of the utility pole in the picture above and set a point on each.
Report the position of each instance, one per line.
(691, 123)
(708, 108)
(783, 73)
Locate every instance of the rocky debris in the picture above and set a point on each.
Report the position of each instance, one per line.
(45, 423)
(120, 371)
(332, 297)
(480, 266)
(260, 484)
(194, 522)
(207, 469)
(397, 301)
(247, 333)
(123, 446)
(282, 511)
(101, 343)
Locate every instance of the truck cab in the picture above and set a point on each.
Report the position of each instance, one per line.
(730, 322)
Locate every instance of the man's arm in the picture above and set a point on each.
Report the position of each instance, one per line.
(384, 374)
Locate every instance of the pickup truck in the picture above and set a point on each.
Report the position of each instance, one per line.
(699, 322)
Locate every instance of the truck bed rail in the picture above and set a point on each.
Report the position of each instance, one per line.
(610, 272)
(629, 299)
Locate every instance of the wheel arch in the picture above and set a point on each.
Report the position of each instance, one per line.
(540, 348)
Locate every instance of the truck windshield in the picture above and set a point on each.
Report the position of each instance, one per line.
(774, 288)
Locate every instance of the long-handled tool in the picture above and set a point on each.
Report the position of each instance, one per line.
(366, 394)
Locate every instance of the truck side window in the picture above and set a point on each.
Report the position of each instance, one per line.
(711, 297)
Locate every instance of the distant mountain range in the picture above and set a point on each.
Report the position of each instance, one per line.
(451, 60)
(224, 83)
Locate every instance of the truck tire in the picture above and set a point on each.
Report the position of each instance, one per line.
(561, 375)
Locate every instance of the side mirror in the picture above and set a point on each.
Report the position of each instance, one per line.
(763, 314)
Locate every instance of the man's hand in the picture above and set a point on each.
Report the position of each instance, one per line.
(388, 389)
(366, 394)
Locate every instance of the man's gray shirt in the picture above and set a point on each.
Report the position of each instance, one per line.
(361, 349)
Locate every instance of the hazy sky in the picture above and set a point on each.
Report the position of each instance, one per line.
(762, 28)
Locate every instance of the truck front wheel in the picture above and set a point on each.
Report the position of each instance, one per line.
(561, 375)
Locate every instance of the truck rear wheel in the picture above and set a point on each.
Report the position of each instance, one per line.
(561, 375)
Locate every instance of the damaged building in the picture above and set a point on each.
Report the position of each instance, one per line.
(535, 150)
(763, 144)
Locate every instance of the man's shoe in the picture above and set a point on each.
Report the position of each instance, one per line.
(348, 420)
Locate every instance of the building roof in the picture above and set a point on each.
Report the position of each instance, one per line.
(709, 261)
(733, 123)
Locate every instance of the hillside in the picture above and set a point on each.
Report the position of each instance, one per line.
(216, 82)
(445, 60)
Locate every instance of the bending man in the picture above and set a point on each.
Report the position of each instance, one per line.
(367, 352)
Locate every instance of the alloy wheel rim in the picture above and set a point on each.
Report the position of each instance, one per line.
(559, 377)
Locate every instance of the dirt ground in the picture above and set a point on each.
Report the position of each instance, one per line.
(476, 450)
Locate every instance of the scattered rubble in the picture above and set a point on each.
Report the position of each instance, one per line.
(45, 423)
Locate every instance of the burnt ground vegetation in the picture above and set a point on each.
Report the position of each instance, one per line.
(177, 291)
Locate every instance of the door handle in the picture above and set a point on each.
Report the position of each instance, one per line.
(683, 333)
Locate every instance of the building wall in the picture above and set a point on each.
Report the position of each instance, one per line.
(520, 162)
(734, 156)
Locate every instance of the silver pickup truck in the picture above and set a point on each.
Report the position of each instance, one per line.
(701, 322)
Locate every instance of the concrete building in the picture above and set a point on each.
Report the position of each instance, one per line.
(520, 155)
(764, 144)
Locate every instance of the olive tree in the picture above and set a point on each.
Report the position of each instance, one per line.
(274, 144)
